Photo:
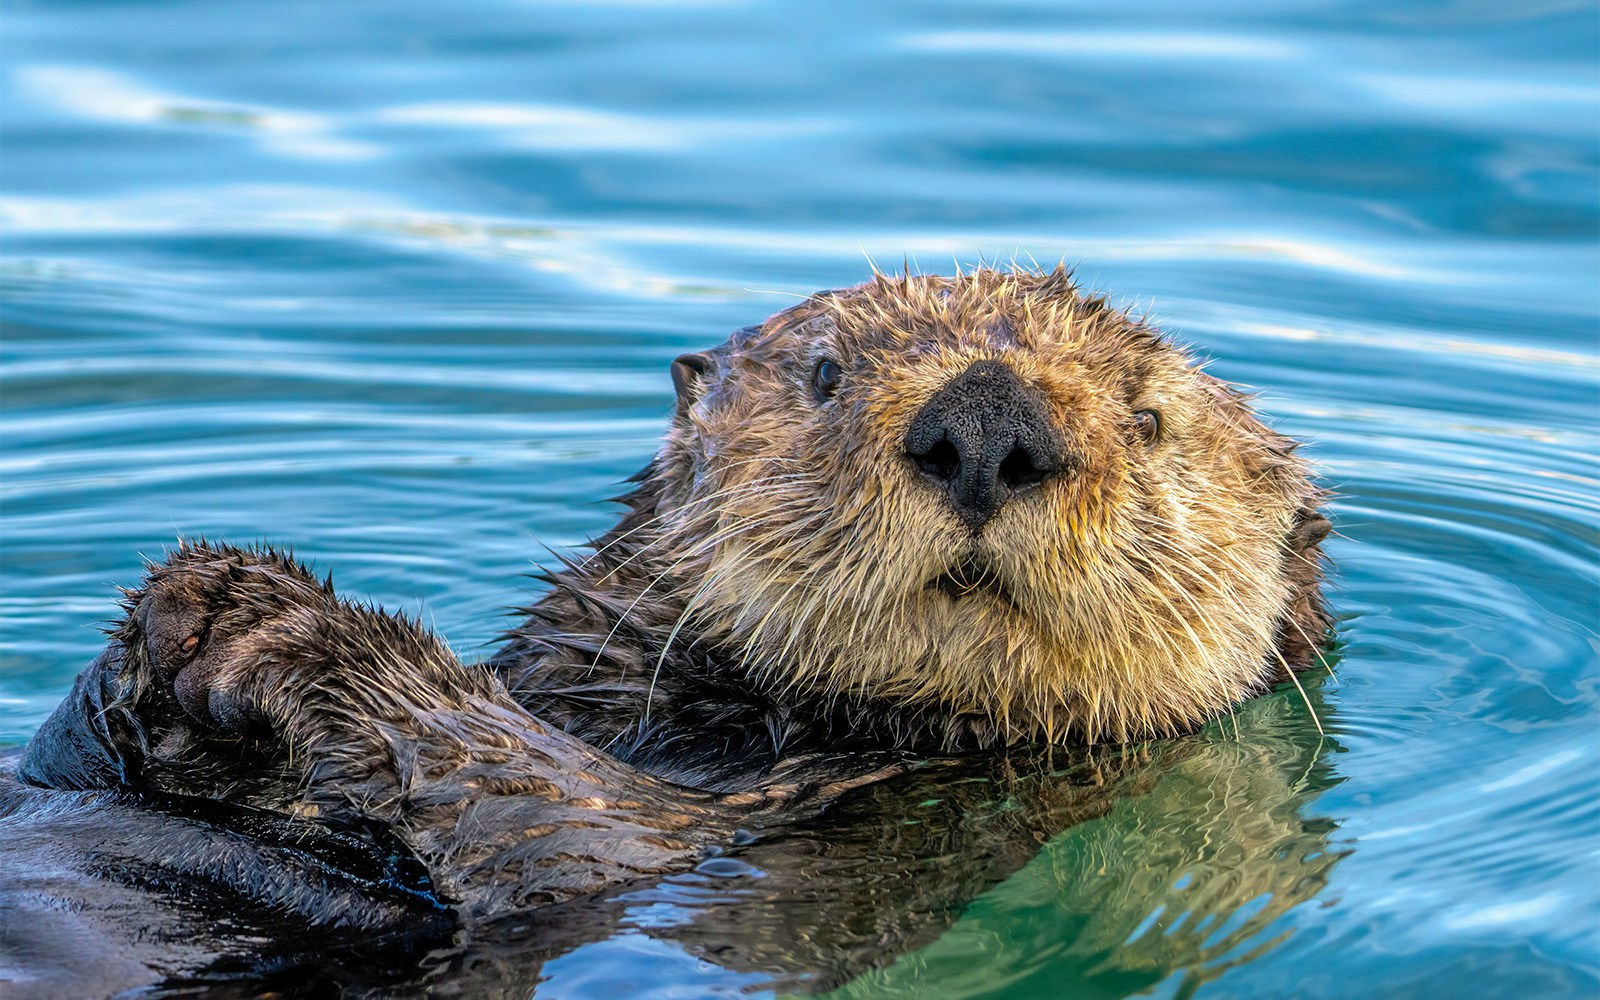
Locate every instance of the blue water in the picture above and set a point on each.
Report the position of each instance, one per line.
(398, 284)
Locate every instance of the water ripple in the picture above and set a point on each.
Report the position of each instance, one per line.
(399, 285)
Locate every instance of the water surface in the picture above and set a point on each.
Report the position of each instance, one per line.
(398, 284)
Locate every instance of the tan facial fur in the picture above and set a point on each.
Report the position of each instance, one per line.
(1139, 592)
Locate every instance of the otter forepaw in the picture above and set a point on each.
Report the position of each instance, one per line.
(178, 669)
(198, 623)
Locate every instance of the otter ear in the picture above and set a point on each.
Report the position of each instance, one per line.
(1311, 527)
(690, 374)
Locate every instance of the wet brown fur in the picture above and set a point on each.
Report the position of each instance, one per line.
(237, 676)
(767, 591)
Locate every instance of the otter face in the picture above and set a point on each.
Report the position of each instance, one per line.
(990, 495)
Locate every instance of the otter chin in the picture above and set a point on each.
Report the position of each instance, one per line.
(935, 512)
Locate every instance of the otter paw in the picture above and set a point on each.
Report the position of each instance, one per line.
(199, 621)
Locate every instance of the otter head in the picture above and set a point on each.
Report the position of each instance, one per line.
(994, 497)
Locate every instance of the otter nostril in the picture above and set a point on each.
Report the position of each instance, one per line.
(941, 461)
(1018, 470)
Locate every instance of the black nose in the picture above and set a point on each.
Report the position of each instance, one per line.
(984, 438)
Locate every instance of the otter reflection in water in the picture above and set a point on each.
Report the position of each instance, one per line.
(917, 516)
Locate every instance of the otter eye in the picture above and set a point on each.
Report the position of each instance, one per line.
(825, 380)
(1147, 424)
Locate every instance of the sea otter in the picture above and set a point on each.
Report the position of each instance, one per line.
(917, 516)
